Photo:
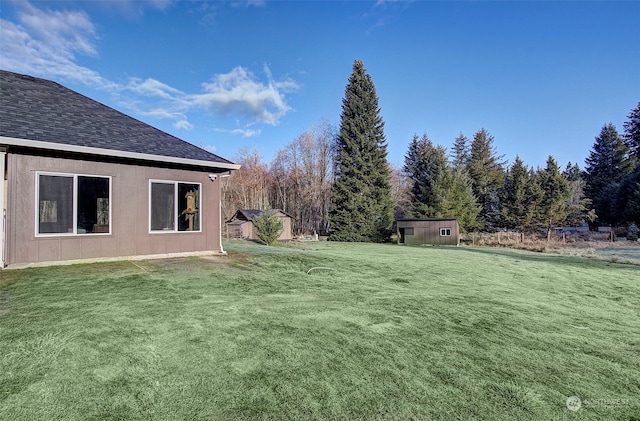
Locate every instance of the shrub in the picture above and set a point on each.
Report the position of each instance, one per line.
(268, 227)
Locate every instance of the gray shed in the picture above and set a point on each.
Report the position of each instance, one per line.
(434, 231)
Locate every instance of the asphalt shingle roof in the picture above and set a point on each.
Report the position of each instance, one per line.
(251, 214)
(42, 110)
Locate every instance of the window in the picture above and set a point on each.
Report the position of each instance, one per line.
(73, 204)
(408, 231)
(445, 232)
(174, 206)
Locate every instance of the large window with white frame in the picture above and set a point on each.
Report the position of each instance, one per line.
(73, 204)
(174, 206)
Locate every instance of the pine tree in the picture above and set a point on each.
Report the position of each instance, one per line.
(438, 190)
(628, 198)
(578, 205)
(485, 169)
(425, 165)
(268, 227)
(460, 151)
(362, 204)
(606, 166)
(516, 197)
(535, 213)
(632, 133)
(628, 194)
(457, 199)
(556, 192)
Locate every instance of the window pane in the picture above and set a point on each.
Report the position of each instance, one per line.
(93, 205)
(55, 196)
(189, 207)
(162, 206)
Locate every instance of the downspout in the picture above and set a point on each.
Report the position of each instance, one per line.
(225, 175)
(3, 209)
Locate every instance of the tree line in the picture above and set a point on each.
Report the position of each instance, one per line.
(338, 182)
(298, 181)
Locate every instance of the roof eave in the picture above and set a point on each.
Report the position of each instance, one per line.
(61, 147)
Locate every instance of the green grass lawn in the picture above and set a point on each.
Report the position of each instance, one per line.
(387, 332)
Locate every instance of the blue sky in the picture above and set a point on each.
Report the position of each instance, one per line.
(541, 77)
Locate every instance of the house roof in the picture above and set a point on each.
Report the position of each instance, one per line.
(250, 214)
(42, 114)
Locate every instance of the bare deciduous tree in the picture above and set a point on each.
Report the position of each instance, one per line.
(301, 177)
(248, 187)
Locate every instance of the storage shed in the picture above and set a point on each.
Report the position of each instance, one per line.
(241, 224)
(434, 231)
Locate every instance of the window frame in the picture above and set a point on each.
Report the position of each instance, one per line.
(446, 230)
(176, 214)
(74, 200)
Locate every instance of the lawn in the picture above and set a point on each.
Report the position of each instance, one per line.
(373, 332)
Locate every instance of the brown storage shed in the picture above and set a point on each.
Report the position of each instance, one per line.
(434, 231)
(241, 224)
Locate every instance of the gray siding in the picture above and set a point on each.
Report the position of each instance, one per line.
(129, 218)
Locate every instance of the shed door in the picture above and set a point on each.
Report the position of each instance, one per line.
(403, 233)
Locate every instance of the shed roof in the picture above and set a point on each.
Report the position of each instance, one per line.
(42, 114)
(250, 214)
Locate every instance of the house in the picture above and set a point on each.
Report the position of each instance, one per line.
(434, 231)
(241, 224)
(84, 181)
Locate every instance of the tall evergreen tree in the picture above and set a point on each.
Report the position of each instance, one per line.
(579, 208)
(457, 198)
(518, 198)
(556, 192)
(628, 198)
(535, 214)
(632, 133)
(628, 194)
(425, 165)
(606, 166)
(460, 151)
(485, 168)
(362, 204)
(438, 189)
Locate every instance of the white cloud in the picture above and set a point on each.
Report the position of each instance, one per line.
(210, 148)
(240, 132)
(153, 88)
(134, 8)
(240, 93)
(249, 3)
(47, 43)
(183, 125)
